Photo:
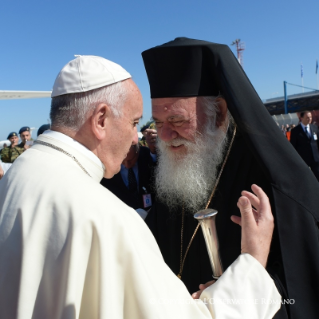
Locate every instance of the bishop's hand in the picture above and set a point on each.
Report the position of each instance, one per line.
(257, 223)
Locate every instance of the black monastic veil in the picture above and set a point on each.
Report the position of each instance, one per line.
(260, 155)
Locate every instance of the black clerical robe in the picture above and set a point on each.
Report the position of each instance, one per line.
(299, 260)
(261, 155)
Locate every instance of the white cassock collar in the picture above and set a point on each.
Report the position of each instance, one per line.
(75, 144)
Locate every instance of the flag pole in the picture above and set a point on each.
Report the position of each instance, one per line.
(301, 72)
(317, 73)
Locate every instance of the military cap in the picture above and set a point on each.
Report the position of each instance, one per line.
(12, 134)
(24, 128)
(152, 126)
(43, 128)
(144, 128)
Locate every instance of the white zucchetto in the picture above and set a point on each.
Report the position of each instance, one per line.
(86, 73)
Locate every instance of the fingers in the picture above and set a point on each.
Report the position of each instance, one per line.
(204, 286)
(151, 136)
(260, 201)
(257, 225)
(247, 216)
(150, 130)
(252, 198)
(196, 294)
(264, 206)
(236, 219)
(256, 214)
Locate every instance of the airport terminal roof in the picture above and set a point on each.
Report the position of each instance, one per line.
(296, 103)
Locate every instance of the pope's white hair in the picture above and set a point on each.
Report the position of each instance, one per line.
(72, 110)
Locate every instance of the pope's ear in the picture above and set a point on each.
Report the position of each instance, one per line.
(222, 111)
(101, 115)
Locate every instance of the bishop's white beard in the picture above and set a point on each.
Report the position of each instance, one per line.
(189, 179)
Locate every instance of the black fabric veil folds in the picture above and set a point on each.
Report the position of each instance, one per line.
(261, 155)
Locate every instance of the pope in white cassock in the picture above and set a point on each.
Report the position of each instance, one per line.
(71, 249)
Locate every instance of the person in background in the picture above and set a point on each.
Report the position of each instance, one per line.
(144, 130)
(151, 139)
(3, 166)
(43, 128)
(283, 129)
(143, 142)
(25, 136)
(11, 153)
(133, 184)
(288, 131)
(4, 146)
(304, 138)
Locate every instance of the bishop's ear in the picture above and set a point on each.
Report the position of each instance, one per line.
(222, 111)
(99, 120)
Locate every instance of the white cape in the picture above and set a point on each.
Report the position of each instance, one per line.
(70, 249)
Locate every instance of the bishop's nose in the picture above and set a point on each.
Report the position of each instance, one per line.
(166, 133)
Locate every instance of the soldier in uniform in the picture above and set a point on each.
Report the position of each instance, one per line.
(25, 135)
(4, 146)
(43, 128)
(144, 130)
(143, 142)
(11, 153)
(151, 137)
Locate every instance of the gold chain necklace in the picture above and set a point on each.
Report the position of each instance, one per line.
(64, 152)
(182, 260)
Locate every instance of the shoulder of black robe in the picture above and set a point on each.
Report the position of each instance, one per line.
(275, 165)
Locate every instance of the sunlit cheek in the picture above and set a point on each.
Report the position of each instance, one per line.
(159, 131)
(189, 132)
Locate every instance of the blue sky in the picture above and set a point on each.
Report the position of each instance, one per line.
(39, 37)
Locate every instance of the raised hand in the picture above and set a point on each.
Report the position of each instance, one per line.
(257, 223)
